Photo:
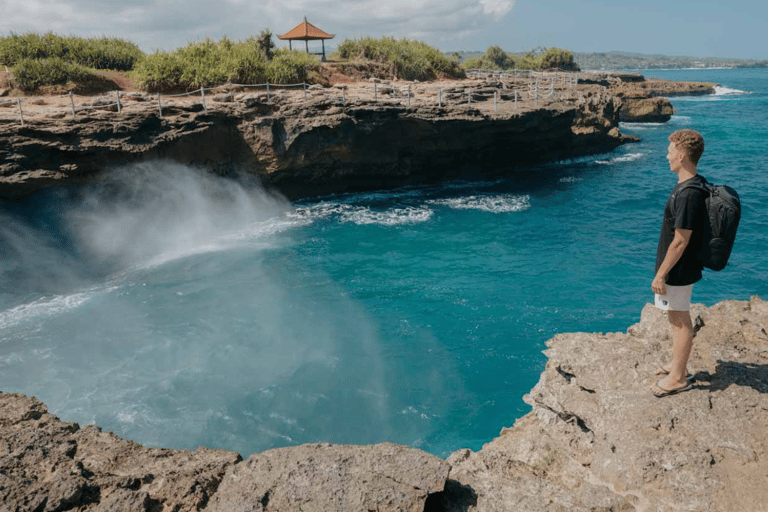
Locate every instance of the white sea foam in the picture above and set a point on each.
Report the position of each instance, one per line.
(726, 91)
(629, 157)
(44, 307)
(395, 216)
(362, 215)
(640, 126)
(570, 179)
(495, 204)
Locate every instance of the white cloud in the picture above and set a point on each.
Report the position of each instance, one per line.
(497, 8)
(168, 24)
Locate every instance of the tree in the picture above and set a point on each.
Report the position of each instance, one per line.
(266, 44)
(557, 58)
(498, 58)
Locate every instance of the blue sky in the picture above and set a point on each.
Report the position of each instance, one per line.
(703, 28)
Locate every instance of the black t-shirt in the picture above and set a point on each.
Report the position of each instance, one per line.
(686, 209)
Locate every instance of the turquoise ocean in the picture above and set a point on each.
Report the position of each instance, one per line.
(179, 309)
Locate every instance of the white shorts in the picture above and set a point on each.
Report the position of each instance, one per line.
(677, 298)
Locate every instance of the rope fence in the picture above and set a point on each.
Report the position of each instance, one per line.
(541, 86)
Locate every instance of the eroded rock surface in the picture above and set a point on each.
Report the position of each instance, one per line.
(47, 465)
(597, 438)
(360, 137)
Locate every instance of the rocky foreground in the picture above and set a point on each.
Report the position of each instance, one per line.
(362, 136)
(596, 440)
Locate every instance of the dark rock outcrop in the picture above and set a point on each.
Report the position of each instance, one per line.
(316, 142)
(646, 110)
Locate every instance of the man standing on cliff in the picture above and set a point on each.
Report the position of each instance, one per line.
(677, 267)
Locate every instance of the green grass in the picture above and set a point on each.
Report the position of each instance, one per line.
(210, 63)
(409, 60)
(96, 52)
(30, 74)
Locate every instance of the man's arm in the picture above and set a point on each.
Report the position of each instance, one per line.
(674, 253)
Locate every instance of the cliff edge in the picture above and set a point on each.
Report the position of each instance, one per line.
(350, 137)
(596, 440)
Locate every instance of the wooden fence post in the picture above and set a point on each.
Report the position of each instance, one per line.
(375, 93)
(21, 114)
(119, 107)
(72, 101)
(202, 93)
(409, 95)
(495, 101)
(440, 98)
(159, 105)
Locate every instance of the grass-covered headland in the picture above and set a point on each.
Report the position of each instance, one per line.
(49, 59)
(58, 63)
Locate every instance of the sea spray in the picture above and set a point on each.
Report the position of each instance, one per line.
(150, 210)
(193, 332)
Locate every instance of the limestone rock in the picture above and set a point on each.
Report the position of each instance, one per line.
(646, 110)
(312, 143)
(224, 98)
(49, 465)
(327, 478)
(597, 439)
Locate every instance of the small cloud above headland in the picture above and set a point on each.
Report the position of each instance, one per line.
(168, 25)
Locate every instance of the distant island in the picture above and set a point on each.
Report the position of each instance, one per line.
(627, 60)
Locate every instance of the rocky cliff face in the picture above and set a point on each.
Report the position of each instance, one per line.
(330, 140)
(597, 440)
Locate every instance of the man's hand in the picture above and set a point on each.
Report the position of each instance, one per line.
(659, 286)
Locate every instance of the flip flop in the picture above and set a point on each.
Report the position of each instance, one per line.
(668, 392)
(661, 371)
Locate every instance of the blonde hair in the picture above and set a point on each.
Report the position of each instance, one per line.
(689, 142)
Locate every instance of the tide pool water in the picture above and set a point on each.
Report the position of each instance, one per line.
(179, 309)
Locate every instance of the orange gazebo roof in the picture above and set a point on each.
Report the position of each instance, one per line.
(306, 31)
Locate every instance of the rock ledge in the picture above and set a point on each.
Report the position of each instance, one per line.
(597, 440)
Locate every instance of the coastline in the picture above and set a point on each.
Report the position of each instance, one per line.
(595, 440)
(338, 139)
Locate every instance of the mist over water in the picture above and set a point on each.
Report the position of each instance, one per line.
(178, 308)
(168, 304)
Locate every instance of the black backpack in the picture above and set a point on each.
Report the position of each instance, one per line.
(724, 209)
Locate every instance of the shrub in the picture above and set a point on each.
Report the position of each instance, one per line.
(29, 74)
(494, 58)
(539, 59)
(557, 58)
(411, 60)
(210, 63)
(290, 66)
(100, 53)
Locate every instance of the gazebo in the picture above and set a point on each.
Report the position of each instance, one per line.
(306, 32)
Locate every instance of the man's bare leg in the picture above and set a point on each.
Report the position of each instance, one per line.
(682, 342)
